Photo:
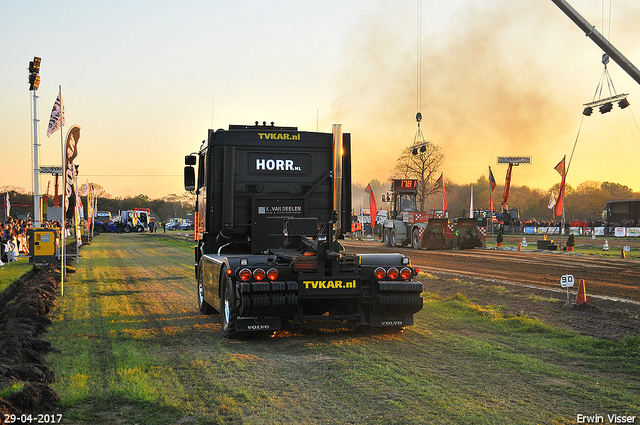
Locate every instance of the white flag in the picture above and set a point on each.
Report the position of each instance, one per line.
(57, 116)
(552, 201)
(85, 188)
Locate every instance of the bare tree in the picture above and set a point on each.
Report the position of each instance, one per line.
(423, 165)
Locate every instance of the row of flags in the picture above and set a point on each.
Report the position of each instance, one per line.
(72, 204)
(553, 202)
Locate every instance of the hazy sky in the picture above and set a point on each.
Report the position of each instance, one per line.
(146, 79)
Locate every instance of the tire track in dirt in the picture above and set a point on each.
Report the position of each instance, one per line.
(609, 277)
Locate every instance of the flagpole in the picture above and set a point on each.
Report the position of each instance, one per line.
(491, 206)
(76, 215)
(64, 202)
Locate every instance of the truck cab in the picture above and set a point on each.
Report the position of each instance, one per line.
(272, 205)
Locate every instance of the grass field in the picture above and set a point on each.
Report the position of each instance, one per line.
(11, 272)
(134, 349)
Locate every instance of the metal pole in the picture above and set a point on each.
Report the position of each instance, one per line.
(599, 39)
(37, 219)
(76, 217)
(63, 260)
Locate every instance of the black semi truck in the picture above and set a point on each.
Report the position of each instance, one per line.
(272, 204)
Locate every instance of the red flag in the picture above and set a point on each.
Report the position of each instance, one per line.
(560, 168)
(372, 205)
(444, 193)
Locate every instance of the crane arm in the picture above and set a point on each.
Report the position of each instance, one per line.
(599, 39)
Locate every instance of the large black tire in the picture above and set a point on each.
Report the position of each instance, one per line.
(127, 228)
(392, 238)
(203, 306)
(386, 236)
(228, 307)
(414, 239)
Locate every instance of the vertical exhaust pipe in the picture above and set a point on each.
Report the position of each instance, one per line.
(229, 170)
(337, 177)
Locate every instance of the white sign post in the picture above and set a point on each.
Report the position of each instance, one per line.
(567, 281)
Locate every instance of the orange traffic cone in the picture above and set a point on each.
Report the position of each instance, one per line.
(622, 253)
(520, 246)
(581, 298)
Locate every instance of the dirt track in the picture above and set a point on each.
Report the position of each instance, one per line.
(612, 277)
(613, 285)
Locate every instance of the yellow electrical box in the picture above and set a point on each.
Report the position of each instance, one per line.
(42, 245)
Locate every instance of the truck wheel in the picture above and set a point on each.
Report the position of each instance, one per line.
(203, 306)
(385, 236)
(414, 239)
(127, 229)
(228, 308)
(392, 238)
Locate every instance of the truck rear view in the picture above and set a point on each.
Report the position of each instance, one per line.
(272, 203)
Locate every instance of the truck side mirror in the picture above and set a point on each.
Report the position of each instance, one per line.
(189, 160)
(189, 178)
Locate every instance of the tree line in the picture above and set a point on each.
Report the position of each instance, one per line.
(584, 202)
(172, 205)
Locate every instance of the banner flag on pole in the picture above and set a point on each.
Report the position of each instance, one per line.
(492, 184)
(372, 205)
(444, 194)
(471, 204)
(57, 116)
(552, 200)
(85, 188)
(7, 206)
(560, 168)
(78, 213)
(71, 151)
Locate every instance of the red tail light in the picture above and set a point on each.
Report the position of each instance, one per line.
(405, 273)
(392, 273)
(272, 274)
(258, 274)
(245, 274)
(380, 273)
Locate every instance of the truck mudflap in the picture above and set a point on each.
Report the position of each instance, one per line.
(266, 299)
(397, 298)
(258, 324)
(395, 320)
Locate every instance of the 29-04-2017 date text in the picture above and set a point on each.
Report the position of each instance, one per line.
(41, 418)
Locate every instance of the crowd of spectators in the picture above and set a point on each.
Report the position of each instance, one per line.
(587, 226)
(14, 237)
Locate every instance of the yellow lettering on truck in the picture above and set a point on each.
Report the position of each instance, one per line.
(329, 284)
